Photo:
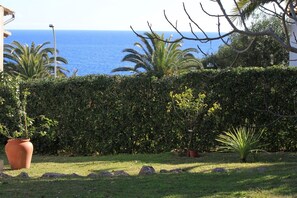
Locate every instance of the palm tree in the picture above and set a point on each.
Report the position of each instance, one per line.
(247, 8)
(35, 61)
(159, 58)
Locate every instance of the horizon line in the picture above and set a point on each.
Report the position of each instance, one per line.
(124, 30)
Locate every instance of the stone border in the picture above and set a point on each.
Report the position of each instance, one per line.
(145, 170)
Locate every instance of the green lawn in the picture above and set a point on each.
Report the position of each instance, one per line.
(266, 175)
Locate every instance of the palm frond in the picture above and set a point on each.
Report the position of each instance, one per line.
(34, 61)
(158, 57)
(241, 140)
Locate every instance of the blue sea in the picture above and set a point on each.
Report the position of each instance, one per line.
(95, 52)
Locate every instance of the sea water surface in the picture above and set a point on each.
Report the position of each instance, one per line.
(95, 52)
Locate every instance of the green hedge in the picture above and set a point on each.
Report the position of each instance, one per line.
(7, 102)
(126, 114)
(106, 114)
(266, 97)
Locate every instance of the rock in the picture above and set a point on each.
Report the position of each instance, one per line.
(53, 175)
(120, 173)
(93, 175)
(23, 175)
(104, 174)
(3, 175)
(178, 170)
(219, 170)
(100, 174)
(147, 170)
(74, 175)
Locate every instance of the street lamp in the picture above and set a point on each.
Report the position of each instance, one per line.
(55, 49)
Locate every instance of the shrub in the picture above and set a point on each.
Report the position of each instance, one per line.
(241, 140)
(14, 121)
(128, 114)
(192, 111)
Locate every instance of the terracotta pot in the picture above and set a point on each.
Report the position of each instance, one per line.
(192, 153)
(19, 153)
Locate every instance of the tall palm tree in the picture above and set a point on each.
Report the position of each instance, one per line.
(247, 7)
(34, 61)
(159, 58)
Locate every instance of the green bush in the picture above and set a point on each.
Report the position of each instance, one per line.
(9, 105)
(265, 97)
(14, 121)
(193, 112)
(128, 114)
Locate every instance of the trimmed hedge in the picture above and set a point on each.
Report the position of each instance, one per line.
(127, 114)
(106, 114)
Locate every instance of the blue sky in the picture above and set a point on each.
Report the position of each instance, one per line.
(108, 14)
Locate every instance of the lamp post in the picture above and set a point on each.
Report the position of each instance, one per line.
(55, 49)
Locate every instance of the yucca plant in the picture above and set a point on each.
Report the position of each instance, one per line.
(242, 140)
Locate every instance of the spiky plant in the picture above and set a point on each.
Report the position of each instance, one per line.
(242, 140)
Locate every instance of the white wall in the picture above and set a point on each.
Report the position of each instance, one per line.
(293, 40)
(1, 36)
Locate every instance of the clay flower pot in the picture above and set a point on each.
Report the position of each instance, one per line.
(19, 153)
(192, 153)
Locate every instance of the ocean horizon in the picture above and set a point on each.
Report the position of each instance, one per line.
(96, 51)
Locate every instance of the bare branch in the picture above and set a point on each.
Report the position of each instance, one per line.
(190, 18)
(216, 15)
(268, 12)
(283, 11)
(199, 48)
(235, 59)
(268, 32)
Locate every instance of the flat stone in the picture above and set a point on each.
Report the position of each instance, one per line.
(177, 170)
(74, 175)
(147, 170)
(100, 174)
(93, 175)
(104, 174)
(53, 175)
(219, 170)
(120, 173)
(23, 175)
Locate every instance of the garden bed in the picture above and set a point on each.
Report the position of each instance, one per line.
(265, 175)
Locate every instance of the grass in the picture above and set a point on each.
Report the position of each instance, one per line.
(278, 177)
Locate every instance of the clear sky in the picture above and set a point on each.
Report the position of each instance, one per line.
(109, 14)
